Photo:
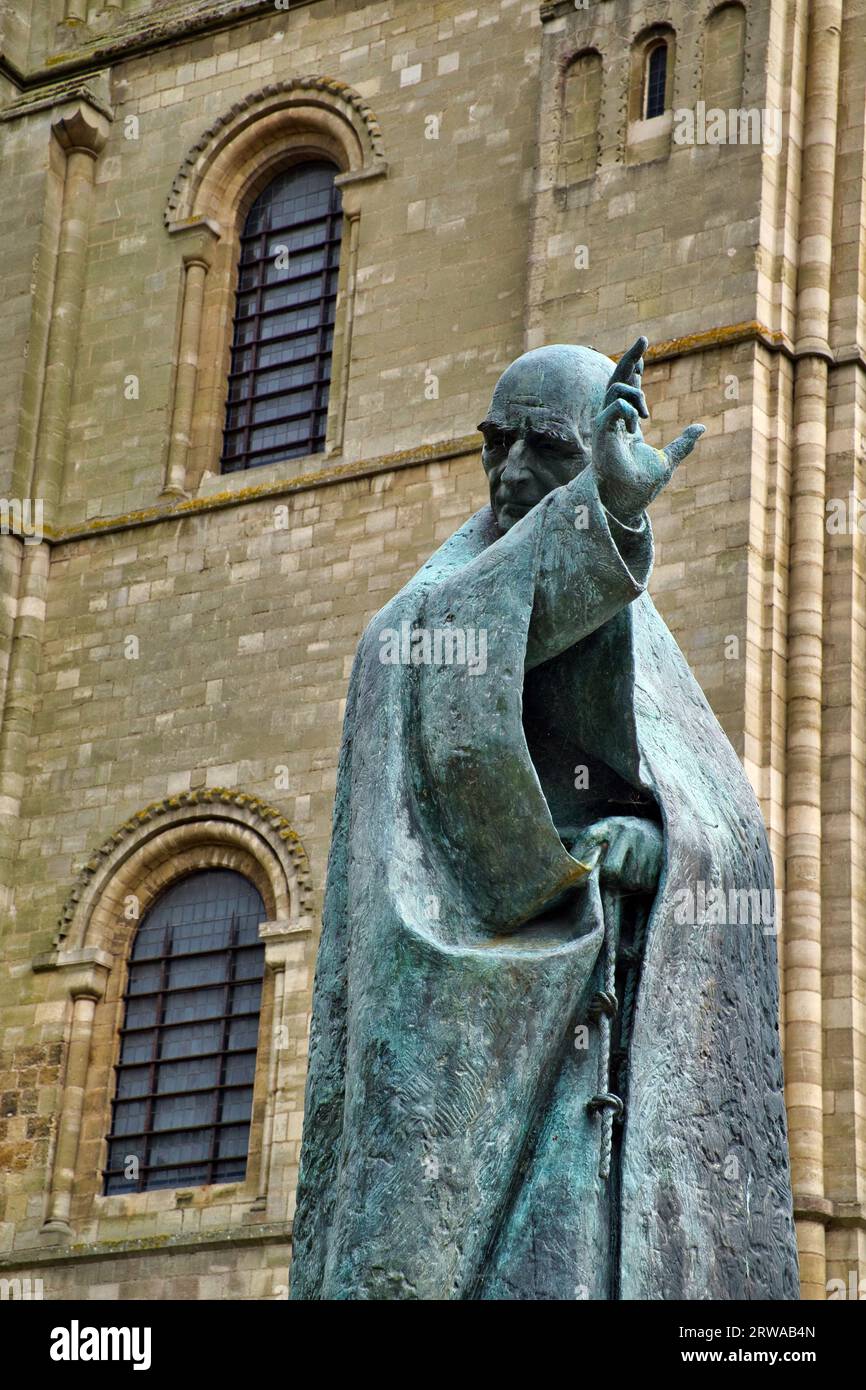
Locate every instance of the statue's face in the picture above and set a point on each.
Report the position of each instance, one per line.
(537, 431)
(525, 461)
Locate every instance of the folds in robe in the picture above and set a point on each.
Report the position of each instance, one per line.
(448, 1151)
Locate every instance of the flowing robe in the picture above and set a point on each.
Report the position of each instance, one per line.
(448, 1151)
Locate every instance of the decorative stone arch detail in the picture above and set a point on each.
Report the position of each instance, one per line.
(362, 134)
(711, 7)
(584, 49)
(225, 826)
(658, 14)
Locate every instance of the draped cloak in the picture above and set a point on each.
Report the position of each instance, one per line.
(448, 1151)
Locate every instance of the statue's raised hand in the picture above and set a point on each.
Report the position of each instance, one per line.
(629, 472)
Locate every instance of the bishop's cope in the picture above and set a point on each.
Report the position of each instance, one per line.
(528, 1077)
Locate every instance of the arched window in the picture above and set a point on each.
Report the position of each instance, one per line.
(725, 57)
(581, 104)
(655, 80)
(284, 320)
(184, 1088)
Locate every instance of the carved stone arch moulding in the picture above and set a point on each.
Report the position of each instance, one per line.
(658, 15)
(312, 104)
(212, 192)
(163, 837)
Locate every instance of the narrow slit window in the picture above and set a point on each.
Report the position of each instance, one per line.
(656, 80)
(184, 1082)
(277, 404)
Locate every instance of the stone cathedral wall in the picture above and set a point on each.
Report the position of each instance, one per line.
(188, 637)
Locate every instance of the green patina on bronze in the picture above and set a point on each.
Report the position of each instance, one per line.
(532, 1076)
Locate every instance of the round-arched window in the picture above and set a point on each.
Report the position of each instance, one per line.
(284, 320)
(184, 1087)
(655, 83)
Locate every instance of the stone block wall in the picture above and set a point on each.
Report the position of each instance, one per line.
(178, 641)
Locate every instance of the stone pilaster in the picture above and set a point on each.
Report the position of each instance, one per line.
(803, 937)
(198, 239)
(85, 973)
(81, 130)
(286, 959)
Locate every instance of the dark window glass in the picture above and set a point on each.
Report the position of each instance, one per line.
(184, 1091)
(277, 403)
(656, 80)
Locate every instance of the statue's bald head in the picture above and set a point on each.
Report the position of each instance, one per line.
(562, 381)
(537, 432)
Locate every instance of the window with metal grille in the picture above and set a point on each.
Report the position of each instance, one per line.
(284, 320)
(184, 1089)
(656, 80)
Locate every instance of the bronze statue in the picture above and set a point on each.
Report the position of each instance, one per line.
(541, 1066)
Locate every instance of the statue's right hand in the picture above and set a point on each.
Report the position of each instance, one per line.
(630, 851)
(629, 472)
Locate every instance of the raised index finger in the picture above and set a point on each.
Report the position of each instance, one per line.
(624, 368)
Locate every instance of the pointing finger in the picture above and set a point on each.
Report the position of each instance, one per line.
(628, 363)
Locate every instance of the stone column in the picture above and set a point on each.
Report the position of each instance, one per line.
(804, 1041)
(199, 239)
(76, 12)
(87, 972)
(81, 130)
(12, 552)
(20, 694)
(286, 945)
(350, 186)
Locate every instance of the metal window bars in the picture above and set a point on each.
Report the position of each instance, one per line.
(277, 402)
(184, 1081)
